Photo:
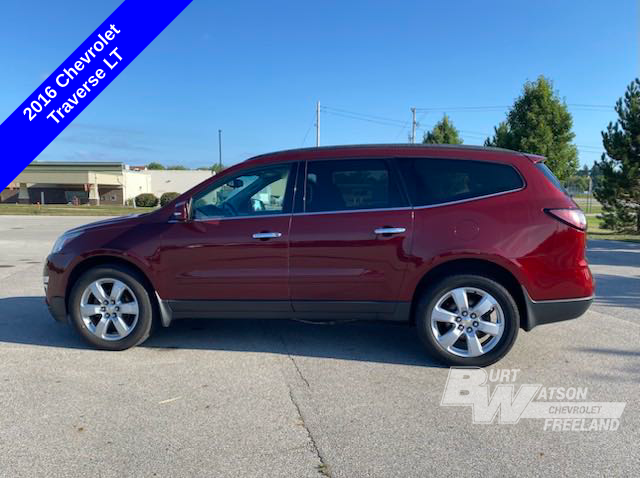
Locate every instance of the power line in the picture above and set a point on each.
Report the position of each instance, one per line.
(464, 108)
(385, 121)
(304, 140)
(582, 105)
(318, 124)
(482, 109)
(414, 125)
(406, 124)
(364, 115)
(360, 118)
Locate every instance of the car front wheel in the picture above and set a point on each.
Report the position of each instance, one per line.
(467, 320)
(111, 308)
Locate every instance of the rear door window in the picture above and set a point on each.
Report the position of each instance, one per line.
(343, 185)
(439, 181)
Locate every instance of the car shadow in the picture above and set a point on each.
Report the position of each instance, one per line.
(617, 291)
(25, 320)
(612, 289)
(628, 369)
(613, 253)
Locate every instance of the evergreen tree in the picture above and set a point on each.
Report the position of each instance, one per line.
(540, 123)
(443, 133)
(619, 184)
(584, 171)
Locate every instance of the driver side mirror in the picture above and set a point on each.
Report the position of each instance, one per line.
(181, 212)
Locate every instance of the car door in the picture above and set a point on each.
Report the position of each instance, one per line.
(232, 256)
(350, 239)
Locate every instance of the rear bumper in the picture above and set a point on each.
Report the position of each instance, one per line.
(549, 311)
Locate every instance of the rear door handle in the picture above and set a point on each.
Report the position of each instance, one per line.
(390, 230)
(266, 235)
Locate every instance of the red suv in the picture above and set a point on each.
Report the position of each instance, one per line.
(469, 244)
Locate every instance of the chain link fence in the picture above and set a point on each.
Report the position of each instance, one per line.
(581, 190)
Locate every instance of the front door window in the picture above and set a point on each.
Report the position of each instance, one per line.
(254, 193)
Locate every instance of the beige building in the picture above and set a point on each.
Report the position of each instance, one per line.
(170, 181)
(94, 183)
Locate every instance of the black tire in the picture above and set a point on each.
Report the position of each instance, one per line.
(131, 279)
(428, 300)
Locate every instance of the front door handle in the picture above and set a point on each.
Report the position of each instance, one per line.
(266, 235)
(389, 230)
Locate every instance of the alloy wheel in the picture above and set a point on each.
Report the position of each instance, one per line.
(467, 322)
(109, 309)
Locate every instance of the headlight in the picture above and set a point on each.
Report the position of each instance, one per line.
(62, 240)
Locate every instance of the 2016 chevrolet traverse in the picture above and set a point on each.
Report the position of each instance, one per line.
(469, 244)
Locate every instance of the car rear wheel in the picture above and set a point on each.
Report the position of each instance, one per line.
(467, 320)
(111, 308)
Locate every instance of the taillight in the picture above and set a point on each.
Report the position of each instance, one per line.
(572, 217)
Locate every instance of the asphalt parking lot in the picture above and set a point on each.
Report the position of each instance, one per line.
(281, 398)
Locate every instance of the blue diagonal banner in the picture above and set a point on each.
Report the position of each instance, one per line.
(80, 79)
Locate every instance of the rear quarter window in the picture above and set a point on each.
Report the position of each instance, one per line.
(544, 169)
(438, 181)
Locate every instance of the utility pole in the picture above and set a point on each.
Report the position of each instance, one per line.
(317, 124)
(589, 194)
(413, 125)
(220, 148)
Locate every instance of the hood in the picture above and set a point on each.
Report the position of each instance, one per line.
(114, 221)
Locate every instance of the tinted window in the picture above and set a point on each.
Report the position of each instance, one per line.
(250, 193)
(551, 177)
(436, 181)
(350, 184)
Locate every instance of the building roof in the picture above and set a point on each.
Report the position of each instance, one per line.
(74, 166)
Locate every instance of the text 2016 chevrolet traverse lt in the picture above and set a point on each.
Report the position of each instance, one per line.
(469, 244)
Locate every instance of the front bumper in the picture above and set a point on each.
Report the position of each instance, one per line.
(54, 289)
(58, 308)
(549, 311)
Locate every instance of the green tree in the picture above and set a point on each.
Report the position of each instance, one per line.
(577, 184)
(155, 166)
(218, 168)
(584, 171)
(596, 175)
(619, 184)
(540, 123)
(166, 198)
(146, 200)
(177, 167)
(443, 133)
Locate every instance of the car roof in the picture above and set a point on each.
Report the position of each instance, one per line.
(453, 151)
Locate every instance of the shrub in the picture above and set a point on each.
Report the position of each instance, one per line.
(146, 200)
(166, 198)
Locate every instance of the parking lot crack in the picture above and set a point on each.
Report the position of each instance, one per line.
(293, 361)
(300, 374)
(322, 467)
